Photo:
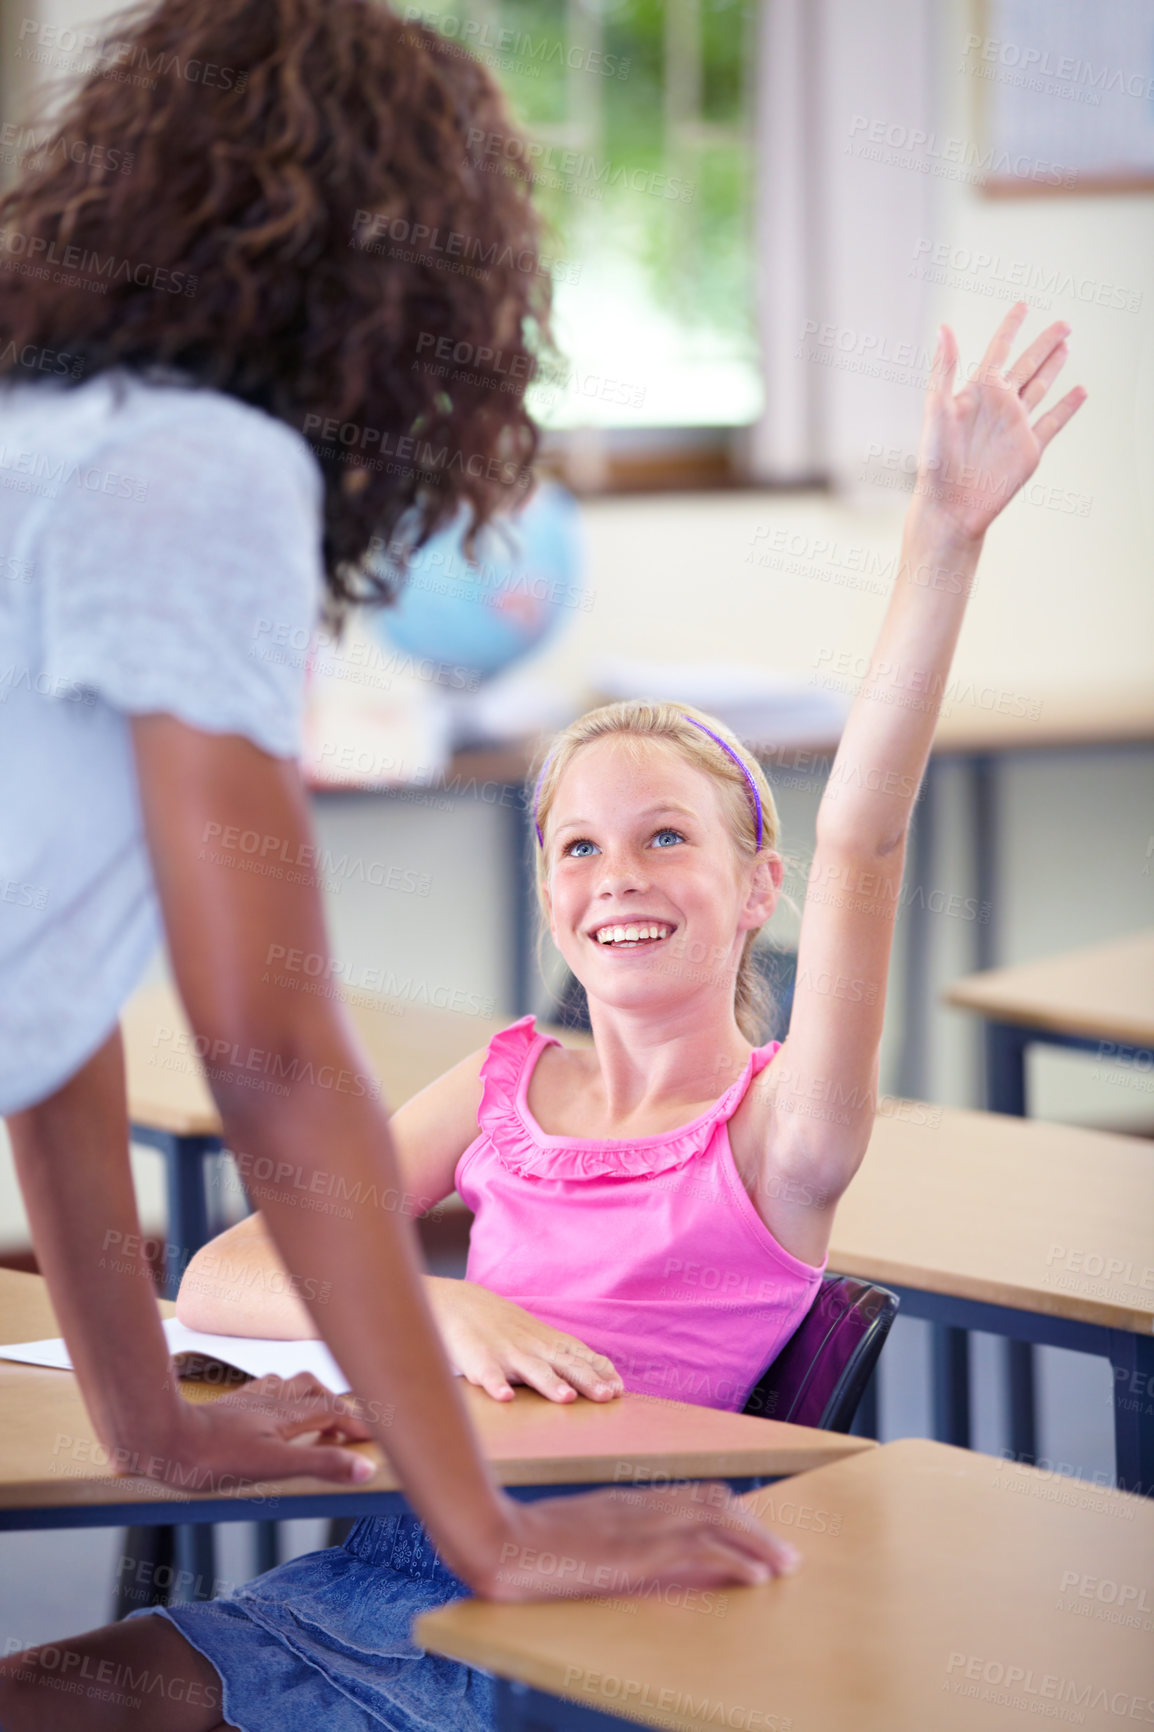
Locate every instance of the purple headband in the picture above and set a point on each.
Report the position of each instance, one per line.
(717, 737)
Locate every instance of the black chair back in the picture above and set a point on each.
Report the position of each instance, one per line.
(821, 1373)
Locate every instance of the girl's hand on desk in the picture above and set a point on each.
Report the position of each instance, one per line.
(978, 447)
(249, 1434)
(495, 1344)
(618, 1542)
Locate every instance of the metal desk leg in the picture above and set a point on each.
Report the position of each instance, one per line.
(188, 1229)
(1132, 1362)
(266, 1546)
(1005, 1076)
(144, 1570)
(186, 1186)
(1006, 1045)
(984, 828)
(161, 1564)
(950, 1350)
(1021, 1400)
(195, 1561)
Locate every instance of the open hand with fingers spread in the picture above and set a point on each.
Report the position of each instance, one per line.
(979, 447)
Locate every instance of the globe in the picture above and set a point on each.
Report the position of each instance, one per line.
(484, 617)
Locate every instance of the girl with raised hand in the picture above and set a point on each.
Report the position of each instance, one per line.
(653, 1213)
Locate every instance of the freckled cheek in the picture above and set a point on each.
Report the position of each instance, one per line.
(568, 909)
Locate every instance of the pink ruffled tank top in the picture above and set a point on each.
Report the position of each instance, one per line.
(650, 1251)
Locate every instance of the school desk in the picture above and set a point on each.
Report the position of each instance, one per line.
(979, 736)
(1100, 1000)
(939, 1591)
(1032, 1231)
(54, 1475)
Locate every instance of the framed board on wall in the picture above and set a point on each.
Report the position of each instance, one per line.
(1064, 93)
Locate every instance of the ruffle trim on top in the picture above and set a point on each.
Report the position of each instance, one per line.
(524, 1148)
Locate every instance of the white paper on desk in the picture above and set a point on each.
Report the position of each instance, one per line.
(52, 1353)
(248, 1353)
(256, 1355)
(259, 1356)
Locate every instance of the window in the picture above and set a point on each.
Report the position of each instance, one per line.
(640, 112)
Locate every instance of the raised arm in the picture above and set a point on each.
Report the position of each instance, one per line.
(978, 447)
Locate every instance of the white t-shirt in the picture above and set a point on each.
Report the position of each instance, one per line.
(156, 543)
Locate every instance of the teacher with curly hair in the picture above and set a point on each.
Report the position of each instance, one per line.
(210, 404)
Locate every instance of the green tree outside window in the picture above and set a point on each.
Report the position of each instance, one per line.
(644, 111)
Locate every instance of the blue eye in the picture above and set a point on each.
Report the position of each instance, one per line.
(676, 834)
(573, 847)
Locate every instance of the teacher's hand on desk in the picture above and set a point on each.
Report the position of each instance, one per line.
(272, 1428)
(621, 1541)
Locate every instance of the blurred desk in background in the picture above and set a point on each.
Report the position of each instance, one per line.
(980, 740)
(171, 1108)
(1036, 1233)
(1101, 997)
(498, 775)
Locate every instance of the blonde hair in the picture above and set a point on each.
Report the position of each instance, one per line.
(646, 719)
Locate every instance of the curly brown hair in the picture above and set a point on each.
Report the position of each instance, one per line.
(295, 226)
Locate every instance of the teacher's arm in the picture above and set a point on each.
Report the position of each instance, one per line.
(71, 1157)
(319, 1117)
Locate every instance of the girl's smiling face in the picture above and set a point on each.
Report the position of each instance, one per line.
(649, 899)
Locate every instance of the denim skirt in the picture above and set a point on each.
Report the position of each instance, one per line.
(322, 1644)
